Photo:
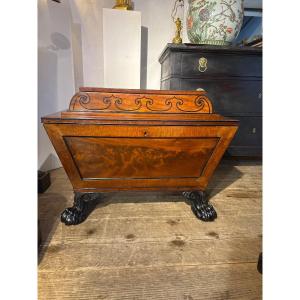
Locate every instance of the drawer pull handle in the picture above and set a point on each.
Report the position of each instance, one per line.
(145, 133)
(202, 64)
(254, 130)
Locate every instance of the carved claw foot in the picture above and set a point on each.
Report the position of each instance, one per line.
(83, 205)
(200, 206)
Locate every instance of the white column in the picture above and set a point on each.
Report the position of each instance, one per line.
(121, 48)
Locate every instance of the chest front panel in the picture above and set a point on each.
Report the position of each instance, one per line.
(141, 157)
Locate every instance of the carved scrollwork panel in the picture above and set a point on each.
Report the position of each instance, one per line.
(106, 102)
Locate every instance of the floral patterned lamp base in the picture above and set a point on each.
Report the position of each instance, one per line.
(214, 22)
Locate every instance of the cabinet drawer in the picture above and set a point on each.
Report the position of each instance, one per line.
(242, 151)
(248, 139)
(235, 97)
(249, 133)
(221, 65)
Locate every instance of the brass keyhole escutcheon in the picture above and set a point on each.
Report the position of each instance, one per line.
(202, 64)
(145, 133)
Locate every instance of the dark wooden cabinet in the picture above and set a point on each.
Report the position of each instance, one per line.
(232, 78)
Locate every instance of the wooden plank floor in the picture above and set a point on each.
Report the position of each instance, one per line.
(150, 245)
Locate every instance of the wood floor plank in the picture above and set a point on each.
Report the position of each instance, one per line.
(150, 245)
(213, 282)
(158, 210)
(154, 204)
(176, 252)
(108, 230)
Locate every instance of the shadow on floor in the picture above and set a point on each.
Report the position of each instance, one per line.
(222, 178)
(50, 206)
(227, 171)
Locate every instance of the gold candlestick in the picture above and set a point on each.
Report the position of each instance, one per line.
(177, 4)
(123, 4)
(177, 39)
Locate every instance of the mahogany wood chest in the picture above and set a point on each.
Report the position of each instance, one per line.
(118, 140)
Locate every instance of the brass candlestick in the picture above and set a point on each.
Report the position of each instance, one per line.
(177, 39)
(123, 4)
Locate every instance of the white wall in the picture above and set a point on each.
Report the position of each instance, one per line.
(55, 71)
(156, 19)
(157, 30)
(70, 36)
(71, 52)
(88, 13)
(70, 55)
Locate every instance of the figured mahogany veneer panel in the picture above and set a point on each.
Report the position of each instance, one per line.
(111, 158)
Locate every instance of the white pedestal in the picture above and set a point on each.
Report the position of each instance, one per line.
(121, 48)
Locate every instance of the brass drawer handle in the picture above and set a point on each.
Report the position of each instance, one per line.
(202, 64)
